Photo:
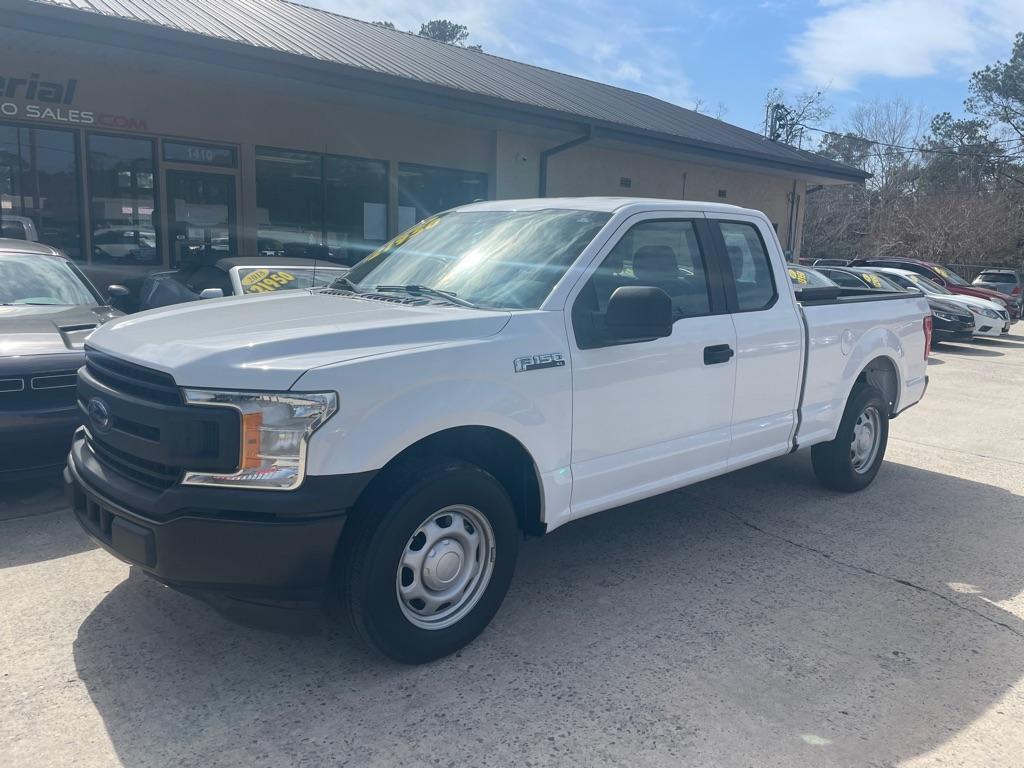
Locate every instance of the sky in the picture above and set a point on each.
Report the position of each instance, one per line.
(732, 52)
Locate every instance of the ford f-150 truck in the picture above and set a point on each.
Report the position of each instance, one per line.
(382, 445)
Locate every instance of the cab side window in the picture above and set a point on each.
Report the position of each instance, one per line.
(750, 265)
(664, 254)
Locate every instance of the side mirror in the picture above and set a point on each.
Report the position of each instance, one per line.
(119, 297)
(211, 293)
(638, 313)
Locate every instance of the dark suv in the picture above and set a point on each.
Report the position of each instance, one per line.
(943, 276)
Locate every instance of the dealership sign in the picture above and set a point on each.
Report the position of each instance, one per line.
(31, 98)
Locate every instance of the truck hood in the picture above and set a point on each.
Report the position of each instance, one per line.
(30, 329)
(267, 342)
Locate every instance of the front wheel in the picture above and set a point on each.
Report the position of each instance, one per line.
(426, 565)
(851, 461)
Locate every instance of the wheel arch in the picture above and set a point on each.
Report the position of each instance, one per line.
(489, 448)
(881, 372)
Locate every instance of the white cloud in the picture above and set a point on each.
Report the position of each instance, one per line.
(596, 39)
(853, 39)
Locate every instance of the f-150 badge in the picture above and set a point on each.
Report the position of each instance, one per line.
(538, 362)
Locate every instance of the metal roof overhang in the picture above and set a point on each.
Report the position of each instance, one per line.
(143, 37)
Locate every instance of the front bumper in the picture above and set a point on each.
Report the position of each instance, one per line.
(35, 440)
(261, 546)
(943, 335)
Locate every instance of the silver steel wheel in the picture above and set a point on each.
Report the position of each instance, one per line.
(445, 567)
(867, 436)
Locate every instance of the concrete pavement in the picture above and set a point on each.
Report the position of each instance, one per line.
(753, 620)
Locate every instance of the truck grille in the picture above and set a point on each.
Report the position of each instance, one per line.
(144, 431)
(148, 473)
(53, 389)
(132, 379)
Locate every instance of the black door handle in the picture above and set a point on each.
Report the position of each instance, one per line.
(719, 353)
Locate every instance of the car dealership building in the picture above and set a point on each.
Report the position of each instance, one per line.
(137, 134)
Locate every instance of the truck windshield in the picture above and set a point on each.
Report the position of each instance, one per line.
(492, 259)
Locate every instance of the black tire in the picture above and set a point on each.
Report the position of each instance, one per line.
(377, 537)
(834, 463)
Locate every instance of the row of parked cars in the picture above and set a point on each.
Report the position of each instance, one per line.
(989, 306)
(47, 309)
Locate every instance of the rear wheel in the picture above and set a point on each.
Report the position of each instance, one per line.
(426, 564)
(851, 461)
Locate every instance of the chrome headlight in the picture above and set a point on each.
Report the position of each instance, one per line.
(945, 316)
(275, 429)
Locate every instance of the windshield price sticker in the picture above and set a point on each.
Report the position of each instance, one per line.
(800, 277)
(403, 238)
(264, 281)
(873, 279)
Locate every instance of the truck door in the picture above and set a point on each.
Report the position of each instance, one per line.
(769, 335)
(651, 415)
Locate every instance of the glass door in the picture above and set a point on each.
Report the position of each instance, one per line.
(201, 216)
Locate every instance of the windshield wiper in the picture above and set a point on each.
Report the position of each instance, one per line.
(426, 290)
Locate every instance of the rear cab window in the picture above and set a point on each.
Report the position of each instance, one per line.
(750, 265)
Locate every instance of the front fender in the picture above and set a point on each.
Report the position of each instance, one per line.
(389, 402)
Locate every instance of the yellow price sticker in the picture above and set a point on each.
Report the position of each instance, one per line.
(268, 281)
(797, 276)
(255, 276)
(403, 238)
(873, 280)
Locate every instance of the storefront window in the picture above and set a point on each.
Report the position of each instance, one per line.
(122, 200)
(39, 173)
(356, 207)
(290, 198)
(320, 205)
(423, 190)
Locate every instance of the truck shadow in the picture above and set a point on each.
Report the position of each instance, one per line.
(959, 349)
(751, 619)
(33, 523)
(1007, 342)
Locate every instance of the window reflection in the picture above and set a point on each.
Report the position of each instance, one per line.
(39, 171)
(122, 200)
(320, 206)
(424, 190)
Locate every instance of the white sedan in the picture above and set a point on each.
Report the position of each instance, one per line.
(990, 319)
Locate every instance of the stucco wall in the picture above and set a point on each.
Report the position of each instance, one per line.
(163, 97)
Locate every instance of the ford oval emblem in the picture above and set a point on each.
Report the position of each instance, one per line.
(99, 415)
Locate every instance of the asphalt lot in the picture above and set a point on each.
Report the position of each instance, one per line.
(751, 620)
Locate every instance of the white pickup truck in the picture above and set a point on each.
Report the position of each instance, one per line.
(501, 369)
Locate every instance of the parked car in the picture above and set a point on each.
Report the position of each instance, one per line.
(499, 369)
(124, 244)
(235, 277)
(990, 319)
(47, 309)
(1009, 282)
(950, 321)
(942, 276)
(18, 228)
(859, 278)
(805, 277)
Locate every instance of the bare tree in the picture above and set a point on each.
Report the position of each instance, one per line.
(894, 129)
(701, 106)
(792, 117)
